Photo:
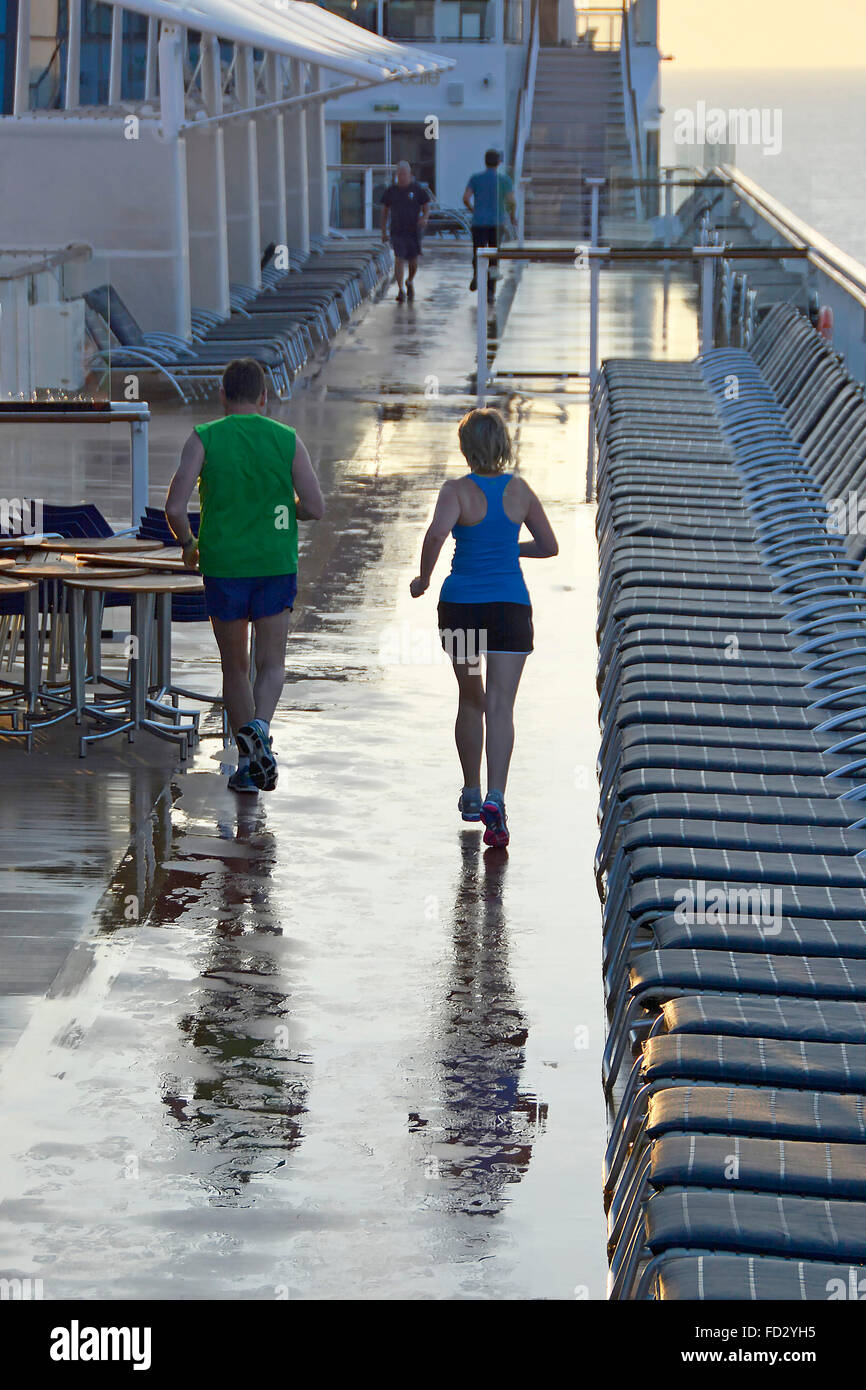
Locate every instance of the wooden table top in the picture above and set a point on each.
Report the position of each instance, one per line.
(66, 570)
(99, 545)
(138, 583)
(21, 542)
(140, 560)
(11, 584)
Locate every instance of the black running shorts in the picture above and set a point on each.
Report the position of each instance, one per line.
(468, 630)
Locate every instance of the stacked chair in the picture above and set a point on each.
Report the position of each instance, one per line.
(732, 854)
(281, 325)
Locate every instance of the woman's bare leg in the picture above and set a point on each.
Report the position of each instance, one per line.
(469, 725)
(504, 670)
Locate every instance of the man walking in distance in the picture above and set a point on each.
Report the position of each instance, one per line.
(408, 205)
(255, 482)
(489, 196)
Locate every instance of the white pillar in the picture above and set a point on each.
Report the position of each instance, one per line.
(21, 99)
(297, 173)
(171, 100)
(206, 193)
(171, 89)
(272, 161)
(317, 160)
(115, 71)
(242, 180)
(73, 56)
(150, 67)
(211, 75)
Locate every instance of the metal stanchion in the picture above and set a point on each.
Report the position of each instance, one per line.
(481, 373)
(595, 256)
(595, 185)
(705, 256)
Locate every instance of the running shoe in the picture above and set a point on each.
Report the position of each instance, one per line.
(263, 764)
(241, 781)
(469, 805)
(410, 290)
(493, 815)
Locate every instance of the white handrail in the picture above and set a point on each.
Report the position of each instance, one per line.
(527, 96)
(630, 105)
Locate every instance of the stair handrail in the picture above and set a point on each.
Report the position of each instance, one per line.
(527, 97)
(631, 117)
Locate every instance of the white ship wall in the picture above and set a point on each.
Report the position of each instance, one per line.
(82, 181)
(483, 120)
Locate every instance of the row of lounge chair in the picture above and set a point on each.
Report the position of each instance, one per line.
(295, 313)
(732, 685)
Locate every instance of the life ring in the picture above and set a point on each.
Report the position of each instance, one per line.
(825, 323)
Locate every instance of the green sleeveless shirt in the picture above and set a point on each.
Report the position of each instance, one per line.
(248, 522)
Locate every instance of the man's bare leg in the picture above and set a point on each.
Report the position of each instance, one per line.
(399, 273)
(234, 649)
(271, 637)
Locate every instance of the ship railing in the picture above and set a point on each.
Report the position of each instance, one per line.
(28, 278)
(524, 120)
(834, 280)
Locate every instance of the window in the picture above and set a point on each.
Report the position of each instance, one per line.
(48, 55)
(513, 21)
(362, 12)
(8, 27)
(409, 19)
(380, 144)
(96, 54)
(467, 19)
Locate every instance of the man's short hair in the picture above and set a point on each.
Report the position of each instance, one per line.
(491, 158)
(243, 381)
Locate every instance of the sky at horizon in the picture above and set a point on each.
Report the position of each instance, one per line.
(764, 34)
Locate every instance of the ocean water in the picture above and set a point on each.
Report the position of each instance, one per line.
(819, 172)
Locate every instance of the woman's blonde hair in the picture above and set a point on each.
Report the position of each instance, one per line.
(485, 441)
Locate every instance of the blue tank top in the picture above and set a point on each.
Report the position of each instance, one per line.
(486, 564)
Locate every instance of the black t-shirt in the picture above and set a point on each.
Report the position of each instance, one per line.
(405, 204)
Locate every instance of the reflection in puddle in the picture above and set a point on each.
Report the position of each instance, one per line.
(479, 1131)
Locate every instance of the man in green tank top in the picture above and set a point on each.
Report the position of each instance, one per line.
(255, 482)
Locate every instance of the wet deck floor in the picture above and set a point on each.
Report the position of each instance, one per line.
(326, 1046)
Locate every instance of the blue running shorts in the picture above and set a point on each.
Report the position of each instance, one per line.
(231, 600)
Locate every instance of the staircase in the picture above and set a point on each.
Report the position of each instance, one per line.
(578, 130)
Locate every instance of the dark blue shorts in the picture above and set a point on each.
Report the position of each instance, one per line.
(231, 600)
(406, 245)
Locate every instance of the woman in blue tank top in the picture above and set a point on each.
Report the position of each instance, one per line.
(484, 605)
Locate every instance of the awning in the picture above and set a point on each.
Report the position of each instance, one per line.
(296, 29)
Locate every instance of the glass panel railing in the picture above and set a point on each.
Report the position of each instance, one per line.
(355, 195)
(599, 28)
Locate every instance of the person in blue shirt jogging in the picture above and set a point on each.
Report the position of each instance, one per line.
(484, 605)
(489, 196)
